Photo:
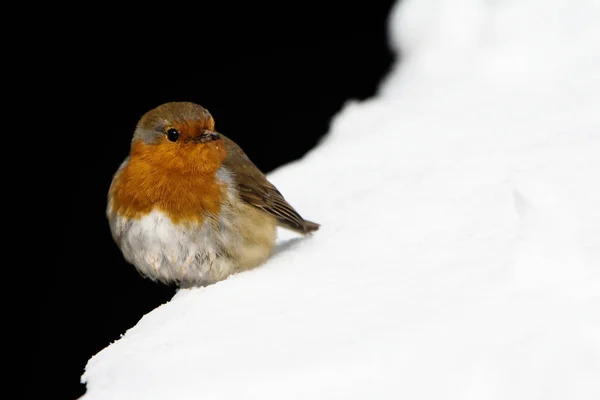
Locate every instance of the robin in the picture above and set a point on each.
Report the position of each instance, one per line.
(188, 207)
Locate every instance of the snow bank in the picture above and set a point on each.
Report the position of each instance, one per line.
(459, 253)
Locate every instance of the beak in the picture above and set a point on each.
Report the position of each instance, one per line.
(205, 137)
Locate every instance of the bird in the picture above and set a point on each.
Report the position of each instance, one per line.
(187, 206)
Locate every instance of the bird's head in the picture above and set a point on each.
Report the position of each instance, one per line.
(179, 137)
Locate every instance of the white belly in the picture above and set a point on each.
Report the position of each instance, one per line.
(161, 250)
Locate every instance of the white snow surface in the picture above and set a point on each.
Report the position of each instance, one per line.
(459, 253)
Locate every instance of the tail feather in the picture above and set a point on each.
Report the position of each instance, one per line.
(304, 227)
(310, 226)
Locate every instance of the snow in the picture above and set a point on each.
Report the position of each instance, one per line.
(459, 253)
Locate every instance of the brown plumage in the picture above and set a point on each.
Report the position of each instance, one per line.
(256, 190)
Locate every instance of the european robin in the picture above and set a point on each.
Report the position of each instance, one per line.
(188, 207)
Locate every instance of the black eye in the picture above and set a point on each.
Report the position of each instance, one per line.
(172, 134)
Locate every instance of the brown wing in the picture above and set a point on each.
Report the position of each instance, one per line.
(256, 190)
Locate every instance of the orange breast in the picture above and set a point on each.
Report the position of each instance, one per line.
(182, 184)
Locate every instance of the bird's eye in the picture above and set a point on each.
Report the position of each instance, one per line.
(172, 134)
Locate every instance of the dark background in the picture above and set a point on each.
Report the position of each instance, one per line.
(272, 77)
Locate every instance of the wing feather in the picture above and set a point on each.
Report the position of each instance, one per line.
(254, 189)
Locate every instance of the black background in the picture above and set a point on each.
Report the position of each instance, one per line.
(272, 77)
